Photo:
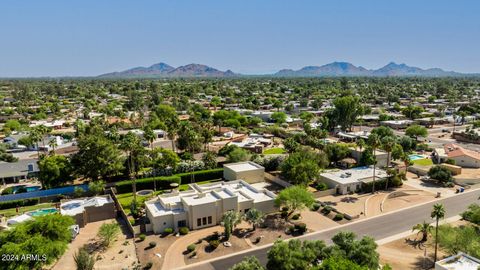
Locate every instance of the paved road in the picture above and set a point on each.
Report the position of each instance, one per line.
(378, 227)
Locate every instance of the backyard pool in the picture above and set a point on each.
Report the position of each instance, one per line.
(415, 157)
(16, 189)
(42, 212)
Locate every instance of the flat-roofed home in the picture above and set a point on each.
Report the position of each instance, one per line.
(351, 180)
(248, 171)
(397, 124)
(203, 206)
(463, 157)
(460, 261)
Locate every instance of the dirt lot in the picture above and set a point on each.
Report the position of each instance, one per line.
(413, 198)
(119, 256)
(351, 204)
(407, 253)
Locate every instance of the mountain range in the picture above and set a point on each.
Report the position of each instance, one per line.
(334, 69)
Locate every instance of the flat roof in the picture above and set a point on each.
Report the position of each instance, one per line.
(461, 261)
(243, 166)
(354, 175)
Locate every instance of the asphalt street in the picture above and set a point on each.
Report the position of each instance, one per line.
(379, 227)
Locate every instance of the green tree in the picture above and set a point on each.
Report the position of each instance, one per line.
(362, 252)
(132, 147)
(295, 254)
(238, 154)
(294, 198)
(149, 135)
(229, 221)
(415, 131)
(412, 111)
(441, 174)
(96, 187)
(54, 171)
(107, 233)
(168, 115)
(423, 228)
(340, 263)
(383, 131)
(346, 111)
(472, 214)
(254, 217)
(248, 263)
(337, 151)
(97, 157)
(209, 158)
(303, 166)
(279, 117)
(438, 213)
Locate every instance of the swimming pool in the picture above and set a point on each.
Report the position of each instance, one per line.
(26, 188)
(415, 157)
(42, 212)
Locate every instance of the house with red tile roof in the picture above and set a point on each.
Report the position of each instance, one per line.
(463, 157)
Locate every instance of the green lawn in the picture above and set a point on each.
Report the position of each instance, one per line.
(126, 199)
(271, 151)
(423, 162)
(13, 212)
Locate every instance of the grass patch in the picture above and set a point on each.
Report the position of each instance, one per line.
(126, 199)
(423, 162)
(272, 151)
(13, 211)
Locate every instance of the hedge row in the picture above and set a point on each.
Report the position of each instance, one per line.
(25, 202)
(200, 176)
(162, 182)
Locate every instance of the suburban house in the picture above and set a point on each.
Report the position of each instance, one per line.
(203, 206)
(13, 172)
(460, 261)
(248, 171)
(381, 156)
(463, 157)
(88, 210)
(397, 124)
(351, 180)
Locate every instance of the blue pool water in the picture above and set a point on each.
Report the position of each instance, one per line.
(29, 188)
(415, 157)
(42, 212)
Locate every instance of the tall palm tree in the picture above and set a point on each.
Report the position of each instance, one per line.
(53, 143)
(130, 143)
(387, 145)
(438, 212)
(360, 144)
(374, 142)
(149, 135)
(254, 217)
(423, 228)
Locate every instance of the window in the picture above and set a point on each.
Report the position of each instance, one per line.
(199, 222)
(182, 223)
(210, 220)
(204, 221)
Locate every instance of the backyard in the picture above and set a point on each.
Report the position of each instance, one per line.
(13, 211)
(272, 151)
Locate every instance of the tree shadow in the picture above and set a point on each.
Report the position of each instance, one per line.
(349, 200)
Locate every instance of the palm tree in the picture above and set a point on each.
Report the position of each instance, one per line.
(229, 221)
(83, 260)
(361, 144)
(35, 137)
(53, 143)
(374, 142)
(254, 217)
(149, 135)
(438, 212)
(423, 228)
(129, 145)
(387, 145)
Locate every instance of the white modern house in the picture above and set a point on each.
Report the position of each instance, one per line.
(460, 261)
(351, 180)
(248, 171)
(203, 206)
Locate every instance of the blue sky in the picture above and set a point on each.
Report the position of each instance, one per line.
(90, 37)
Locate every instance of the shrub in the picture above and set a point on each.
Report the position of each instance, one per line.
(13, 204)
(83, 260)
(191, 247)
(296, 217)
(108, 232)
(200, 176)
(183, 230)
(152, 244)
(78, 192)
(162, 182)
(214, 243)
(315, 207)
(142, 237)
(450, 161)
(321, 186)
(338, 217)
(168, 231)
(441, 174)
(284, 214)
(327, 209)
(148, 265)
(132, 221)
(301, 227)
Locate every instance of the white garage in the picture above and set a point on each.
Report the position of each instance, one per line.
(248, 171)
